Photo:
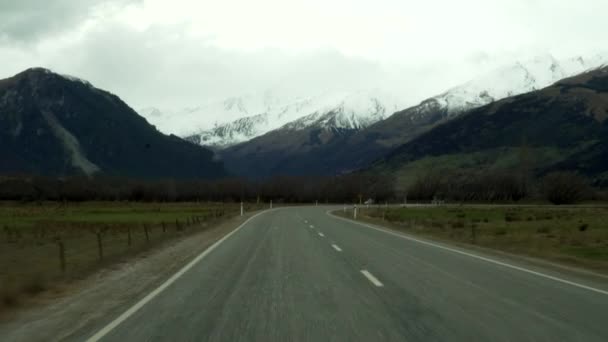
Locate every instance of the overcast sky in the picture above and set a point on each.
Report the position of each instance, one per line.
(180, 53)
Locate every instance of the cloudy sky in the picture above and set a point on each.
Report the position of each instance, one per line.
(181, 53)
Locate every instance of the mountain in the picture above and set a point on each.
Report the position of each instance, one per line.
(307, 146)
(256, 115)
(58, 125)
(561, 127)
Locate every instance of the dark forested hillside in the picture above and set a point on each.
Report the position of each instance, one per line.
(57, 125)
(561, 127)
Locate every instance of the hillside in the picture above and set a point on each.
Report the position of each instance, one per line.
(58, 125)
(561, 127)
(308, 145)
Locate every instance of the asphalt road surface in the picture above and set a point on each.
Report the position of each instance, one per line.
(299, 274)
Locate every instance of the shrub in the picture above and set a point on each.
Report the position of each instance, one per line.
(500, 232)
(563, 188)
(458, 224)
(543, 230)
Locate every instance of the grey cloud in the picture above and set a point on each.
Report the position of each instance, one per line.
(30, 20)
(152, 67)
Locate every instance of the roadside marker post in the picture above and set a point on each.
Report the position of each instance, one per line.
(355, 212)
(270, 204)
(241, 208)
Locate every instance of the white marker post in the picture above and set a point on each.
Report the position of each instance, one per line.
(316, 203)
(355, 212)
(344, 207)
(270, 204)
(242, 209)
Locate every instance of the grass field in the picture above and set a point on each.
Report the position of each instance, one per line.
(48, 242)
(575, 235)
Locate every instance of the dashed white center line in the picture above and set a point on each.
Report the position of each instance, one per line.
(311, 226)
(321, 234)
(371, 278)
(336, 247)
(305, 221)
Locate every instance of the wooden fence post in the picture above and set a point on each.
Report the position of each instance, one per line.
(473, 233)
(99, 245)
(61, 255)
(146, 232)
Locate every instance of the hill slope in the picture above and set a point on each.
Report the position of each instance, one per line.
(308, 146)
(560, 127)
(58, 125)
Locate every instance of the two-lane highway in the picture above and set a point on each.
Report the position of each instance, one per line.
(299, 274)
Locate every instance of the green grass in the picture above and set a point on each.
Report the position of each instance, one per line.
(32, 236)
(502, 158)
(31, 215)
(575, 234)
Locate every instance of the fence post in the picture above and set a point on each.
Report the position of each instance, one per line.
(99, 245)
(355, 212)
(146, 232)
(61, 255)
(473, 233)
(8, 232)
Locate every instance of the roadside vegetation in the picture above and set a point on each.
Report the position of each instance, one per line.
(59, 229)
(573, 235)
(42, 243)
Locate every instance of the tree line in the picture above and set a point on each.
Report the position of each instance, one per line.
(346, 188)
(453, 186)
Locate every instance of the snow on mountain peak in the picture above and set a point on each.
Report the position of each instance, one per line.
(519, 78)
(341, 110)
(237, 119)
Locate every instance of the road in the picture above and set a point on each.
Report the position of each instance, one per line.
(299, 274)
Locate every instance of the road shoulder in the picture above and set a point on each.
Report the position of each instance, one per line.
(588, 277)
(75, 309)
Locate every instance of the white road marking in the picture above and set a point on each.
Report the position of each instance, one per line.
(305, 221)
(336, 247)
(312, 227)
(371, 278)
(496, 262)
(108, 328)
(321, 234)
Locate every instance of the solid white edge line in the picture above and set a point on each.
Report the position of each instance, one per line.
(321, 234)
(336, 247)
(504, 264)
(116, 322)
(371, 278)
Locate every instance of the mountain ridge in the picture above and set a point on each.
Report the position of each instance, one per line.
(325, 151)
(56, 125)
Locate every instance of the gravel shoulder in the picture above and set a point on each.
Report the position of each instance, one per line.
(71, 310)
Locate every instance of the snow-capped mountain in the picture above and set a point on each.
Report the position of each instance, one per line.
(355, 110)
(519, 78)
(230, 121)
